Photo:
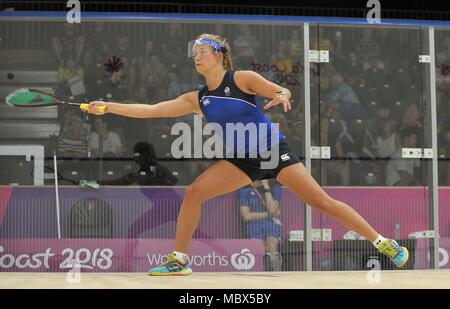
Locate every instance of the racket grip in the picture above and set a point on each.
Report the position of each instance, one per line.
(85, 106)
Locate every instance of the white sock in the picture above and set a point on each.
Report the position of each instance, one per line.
(378, 241)
(182, 257)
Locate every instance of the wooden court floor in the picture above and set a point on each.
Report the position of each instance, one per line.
(403, 279)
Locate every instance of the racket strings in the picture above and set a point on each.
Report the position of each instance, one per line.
(25, 97)
(15, 93)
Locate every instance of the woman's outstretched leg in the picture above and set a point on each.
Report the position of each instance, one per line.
(298, 180)
(222, 177)
(218, 179)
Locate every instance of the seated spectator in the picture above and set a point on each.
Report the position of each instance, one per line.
(259, 206)
(412, 116)
(72, 140)
(111, 145)
(382, 114)
(344, 96)
(154, 75)
(69, 68)
(70, 78)
(388, 141)
(399, 171)
(68, 40)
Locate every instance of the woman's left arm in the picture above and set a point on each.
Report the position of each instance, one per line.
(251, 82)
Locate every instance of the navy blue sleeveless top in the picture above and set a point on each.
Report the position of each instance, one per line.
(229, 106)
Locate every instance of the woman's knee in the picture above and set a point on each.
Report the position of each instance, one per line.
(194, 193)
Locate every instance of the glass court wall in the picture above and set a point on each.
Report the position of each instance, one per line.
(368, 104)
(366, 110)
(442, 40)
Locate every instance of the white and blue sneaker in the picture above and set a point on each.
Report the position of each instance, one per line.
(171, 267)
(399, 255)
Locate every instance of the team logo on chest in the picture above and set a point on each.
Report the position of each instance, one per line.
(206, 102)
(227, 91)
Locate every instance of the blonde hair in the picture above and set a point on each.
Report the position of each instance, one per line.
(227, 62)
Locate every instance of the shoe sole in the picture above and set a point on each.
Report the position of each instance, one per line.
(177, 274)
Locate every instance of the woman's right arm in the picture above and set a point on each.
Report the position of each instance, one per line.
(183, 105)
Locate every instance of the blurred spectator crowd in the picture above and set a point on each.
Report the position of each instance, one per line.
(367, 102)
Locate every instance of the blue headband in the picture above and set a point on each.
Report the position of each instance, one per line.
(217, 46)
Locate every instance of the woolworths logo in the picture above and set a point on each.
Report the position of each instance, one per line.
(243, 260)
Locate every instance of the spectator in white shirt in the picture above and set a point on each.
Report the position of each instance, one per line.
(399, 171)
(111, 143)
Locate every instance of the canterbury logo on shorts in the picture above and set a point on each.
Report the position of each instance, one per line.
(285, 157)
